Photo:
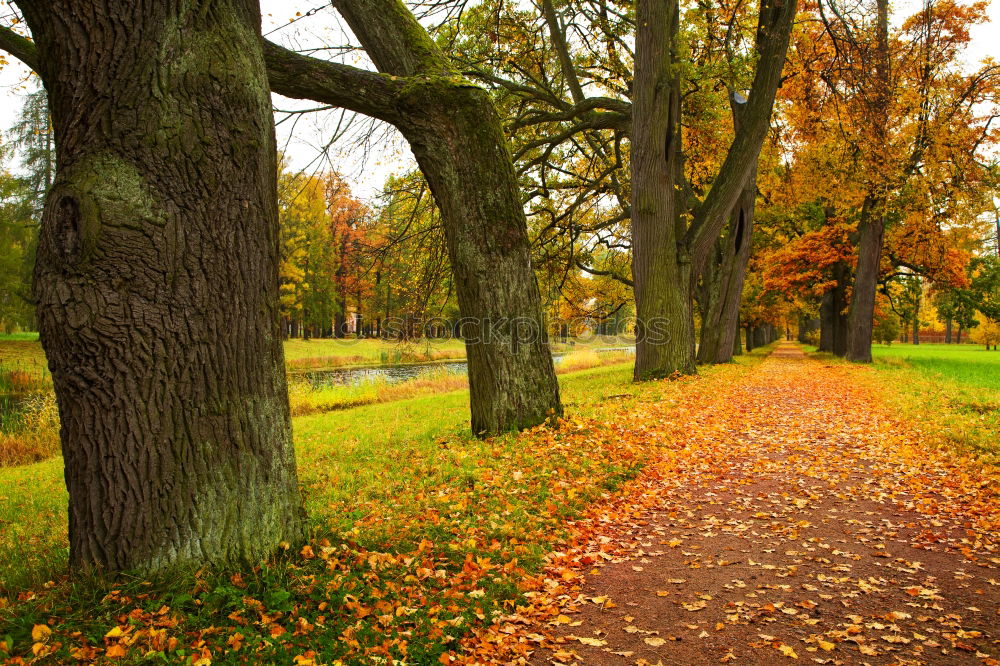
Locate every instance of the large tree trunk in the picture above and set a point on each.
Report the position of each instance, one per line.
(871, 229)
(157, 283)
(947, 330)
(720, 320)
(667, 252)
(661, 274)
(457, 137)
(871, 232)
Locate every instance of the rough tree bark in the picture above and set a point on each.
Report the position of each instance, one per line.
(871, 228)
(456, 135)
(720, 320)
(661, 267)
(871, 231)
(667, 252)
(833, 320)
(156, 282)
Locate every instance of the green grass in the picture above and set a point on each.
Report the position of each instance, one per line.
(19, 336)
(969, 366)
(952, 391)
(346, 459)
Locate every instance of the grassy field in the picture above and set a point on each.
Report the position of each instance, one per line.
(952, 391)
(341, 452)
(965, 365)
(29, 431)
(24, 349)
(395, 492)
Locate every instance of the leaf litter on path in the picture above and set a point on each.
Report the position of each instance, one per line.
(789, 518)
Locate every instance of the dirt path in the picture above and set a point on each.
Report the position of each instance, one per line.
(797, 524)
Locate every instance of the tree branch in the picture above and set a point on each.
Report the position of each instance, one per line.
(611, 274)
(559, 43)
(303, 77)
(20, 47)
(773, 32)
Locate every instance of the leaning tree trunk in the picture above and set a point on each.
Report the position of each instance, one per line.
(457, 137)
(157, 283)
(719, 328)
(460, 147)
(871, 231)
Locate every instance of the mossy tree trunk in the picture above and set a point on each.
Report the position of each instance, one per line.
(720, 318)
(157, 283)
(456, 135)
(860, 324)
(832, 313)
(668, 252)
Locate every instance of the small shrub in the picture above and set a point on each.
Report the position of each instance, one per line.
(35, 434)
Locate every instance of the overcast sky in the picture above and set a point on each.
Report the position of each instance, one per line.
(365, 159)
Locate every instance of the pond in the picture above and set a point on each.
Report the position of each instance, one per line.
(394, 374)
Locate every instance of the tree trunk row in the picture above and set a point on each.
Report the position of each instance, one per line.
(722, 282)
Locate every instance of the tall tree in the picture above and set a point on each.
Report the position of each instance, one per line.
(670, 242)
(156, 281)
(455, 134)
(33, 140)
(17, 240)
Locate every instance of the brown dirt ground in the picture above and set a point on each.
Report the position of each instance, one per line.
(797, 547)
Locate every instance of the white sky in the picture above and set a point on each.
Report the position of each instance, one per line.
(366, 169)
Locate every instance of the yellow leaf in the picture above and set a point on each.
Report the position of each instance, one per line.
(115, 652)
(594, 642)
(115, 633)
(655, 641)
(40, 632)
(787, 651)
(826, 645)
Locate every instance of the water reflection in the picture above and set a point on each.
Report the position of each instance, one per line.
(394, 374)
